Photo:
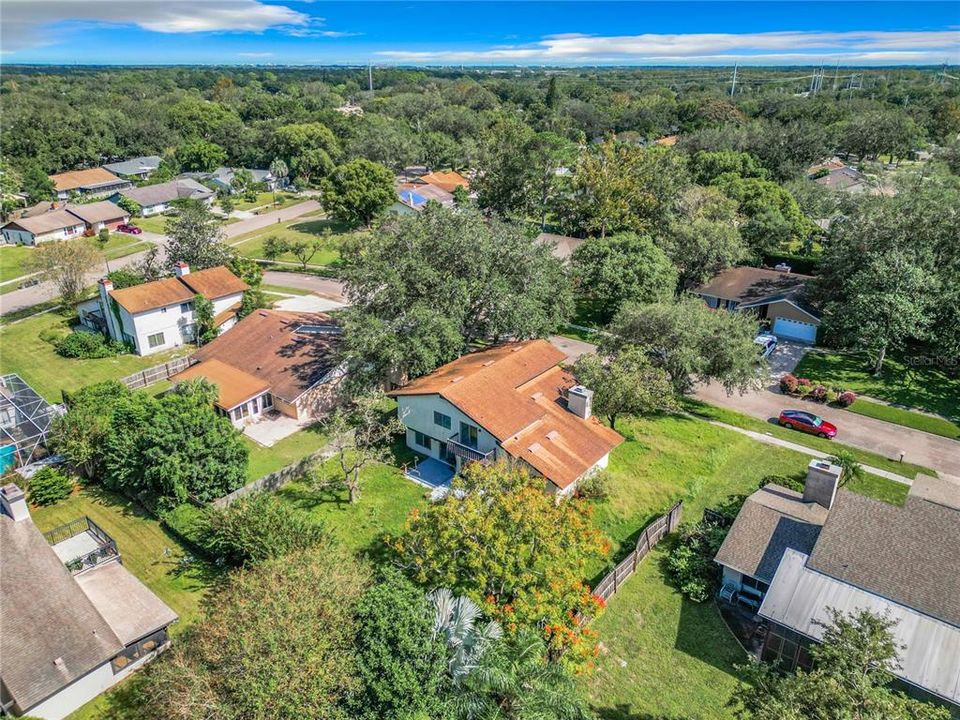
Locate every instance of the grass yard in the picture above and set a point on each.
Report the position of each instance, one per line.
(298, 230)
(903, 383)
(266, 198)
(731, 417)
(898, 416)
(284, 290)
(27, 353)
(265, 460)
(155, 223)
(147, 550)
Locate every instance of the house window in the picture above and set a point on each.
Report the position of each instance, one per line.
(155, 340)
(469, 435)
(186, 307)
(751, 583)
(422, 440)
(267, 401)
(442, 420)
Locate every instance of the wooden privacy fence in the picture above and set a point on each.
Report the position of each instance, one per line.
(277, 479)
(649, 537)
(158, 373)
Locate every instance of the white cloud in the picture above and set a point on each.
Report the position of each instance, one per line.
(255, 54)
(28, 23)
(773, 47)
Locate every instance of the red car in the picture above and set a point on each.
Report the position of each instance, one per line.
(807, 422)
(129, 229)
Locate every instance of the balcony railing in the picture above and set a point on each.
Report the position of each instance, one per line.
(467, 453)
(92, 549)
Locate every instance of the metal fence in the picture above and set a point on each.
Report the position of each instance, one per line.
(158, 373)
(649, 537)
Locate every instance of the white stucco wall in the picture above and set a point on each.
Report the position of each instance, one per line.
(22, 237)
(148, 210)
(416, 412)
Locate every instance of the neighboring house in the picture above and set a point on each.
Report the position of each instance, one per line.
(447, 181)
(413, 197)
(93, 182)
(155, 199)
(273, 360)
(47, 221)
(779, 297)
(158, 315)
(223, 177)
(562, 246)
(667, 141)
(846, 178)
(99, 215)
(511, 401)
(73, 620)
(138, 168)
(800, 555)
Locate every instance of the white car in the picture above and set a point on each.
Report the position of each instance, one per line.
(767, 343)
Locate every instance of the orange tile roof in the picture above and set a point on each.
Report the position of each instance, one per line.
(668, 141)
(82, 178)
(448, 181)
(516, 392)
(234, 387)
(212, 283)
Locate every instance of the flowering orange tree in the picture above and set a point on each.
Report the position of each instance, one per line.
(500, 539)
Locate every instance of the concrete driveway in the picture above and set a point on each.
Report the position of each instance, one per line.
(326, 287)
(785, 357)
(573, 348)
(933, 451)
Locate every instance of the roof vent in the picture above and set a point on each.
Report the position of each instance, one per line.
(457, 379)
(553, 435)
(488, 363)
(536, 396)
(517, 349)
(535, 448)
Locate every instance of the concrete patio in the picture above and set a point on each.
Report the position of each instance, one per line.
(272, 428)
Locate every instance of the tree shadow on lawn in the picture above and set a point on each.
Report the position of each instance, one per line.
(625, 712)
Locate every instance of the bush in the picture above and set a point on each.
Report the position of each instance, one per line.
(48, 485)
(88, 345)
(690, 564)
(789, 384)
(846, 398)
(818, 393)
(793, 483)
(594, 487)
(188, 521)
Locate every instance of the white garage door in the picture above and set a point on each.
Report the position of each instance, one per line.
(795, 330)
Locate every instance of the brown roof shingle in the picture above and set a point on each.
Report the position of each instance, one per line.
(448, 181)
(75, 179)
(749, 284)
(215, 282)
(103, 211)
(212, 283)
(233, 386)
(266, 345)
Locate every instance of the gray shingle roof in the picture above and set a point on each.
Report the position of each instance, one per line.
(751, 285)
(167, 192)
(771, 520)
(908, 554)
(134, 166)
(44, 615)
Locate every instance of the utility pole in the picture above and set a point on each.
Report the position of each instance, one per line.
(370, 77)
(836, 76)
(733, 85)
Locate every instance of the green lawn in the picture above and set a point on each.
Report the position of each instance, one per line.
(904, 383)
(295, 230)
(731, 417)
(265, 460)
(281, 289)
(266, 198)
(154, 223)
(918, 421)
(32, 357)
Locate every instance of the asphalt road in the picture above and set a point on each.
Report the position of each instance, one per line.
(27, 297)
(327, 287)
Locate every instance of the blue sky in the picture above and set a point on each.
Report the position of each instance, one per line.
(435, 32)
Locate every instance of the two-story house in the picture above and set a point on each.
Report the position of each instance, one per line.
(159, 315)
(73, 620)
(510, 401)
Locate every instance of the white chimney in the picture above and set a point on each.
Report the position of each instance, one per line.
(13, 502)
(823, 478)
(181, 269)
(580, 401)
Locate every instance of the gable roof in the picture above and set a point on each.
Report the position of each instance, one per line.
(908, 554)
(267, 345)
(416, 196)
(44, 615)
(47, 222)
(754, 286)
(448, 181)
(212, 283)
(180, 189)
(771, 520)
(78, 179)
(234, 386)
(135, 166)
(516, 393)
(102, 211)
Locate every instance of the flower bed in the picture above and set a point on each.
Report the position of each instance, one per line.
(805, 388)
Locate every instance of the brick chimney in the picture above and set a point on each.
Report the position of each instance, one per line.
(13, 502)
(823, 478)
(580, 401)
(181, 268)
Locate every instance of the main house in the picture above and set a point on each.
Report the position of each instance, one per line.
(63, 223)
(95, 182)
(73, 620)
(272, 360)
(511, 401)
(794, 556)
(155, 199)
(159, 315)
(774, 295)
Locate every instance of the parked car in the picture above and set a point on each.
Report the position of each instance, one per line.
(807, 422)
(129, 229)
(767, 343)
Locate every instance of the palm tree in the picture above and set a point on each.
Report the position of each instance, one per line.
(456, 621)
(850, 467)
(279, 170)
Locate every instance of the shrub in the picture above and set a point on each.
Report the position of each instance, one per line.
(48, 485)
(87, 346)
(789, 383)
(594, 487)
(793, 483)
(690, 564)
(818, 393)
(188, 521)
(846, 398)
(804, 382)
